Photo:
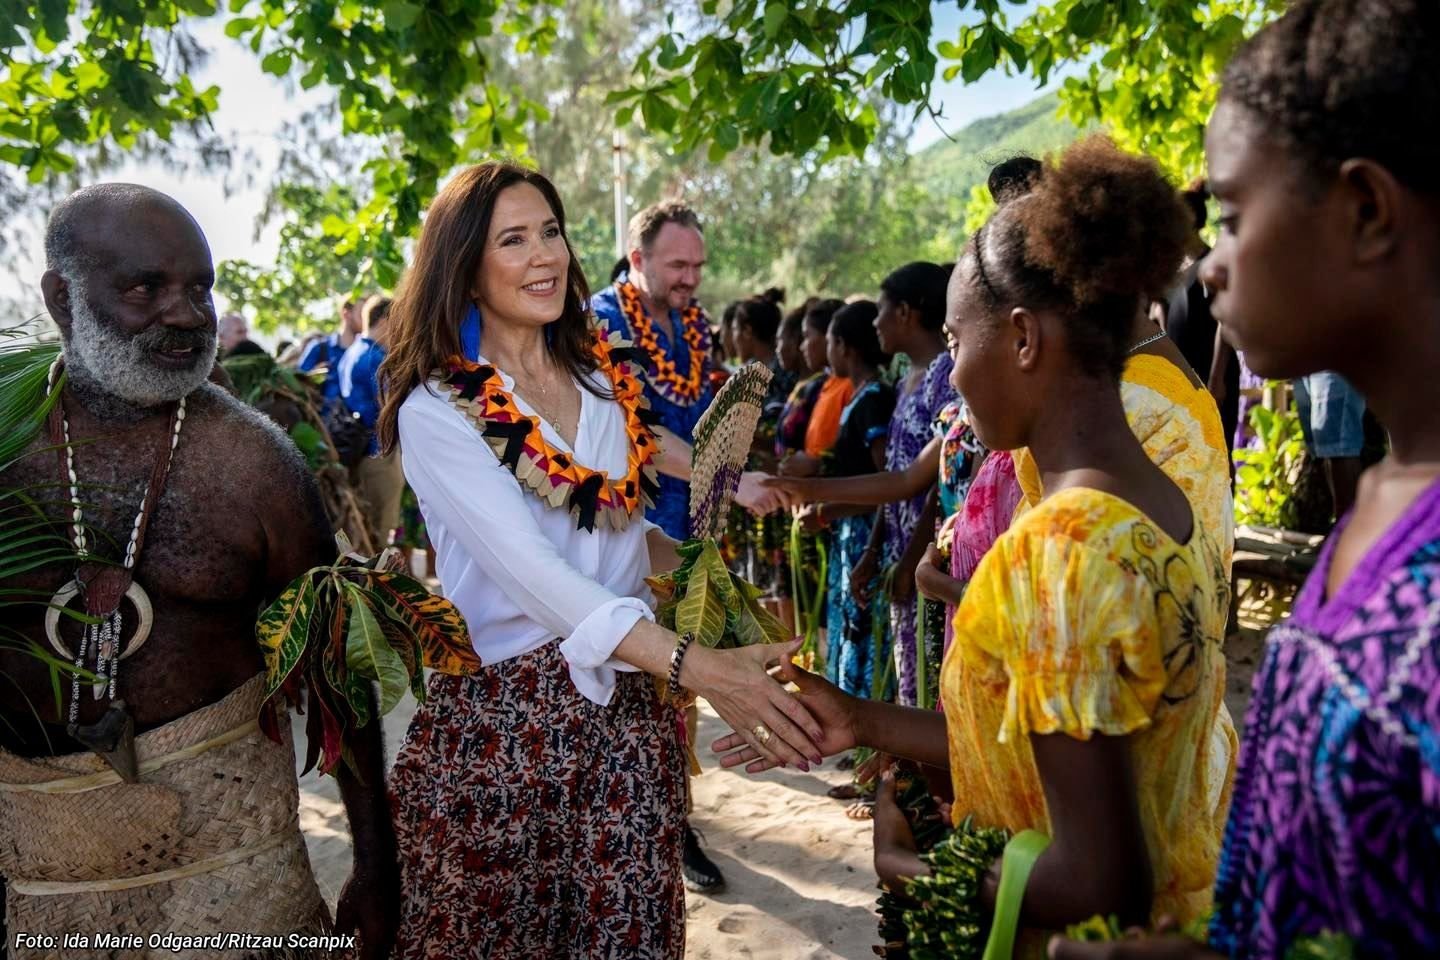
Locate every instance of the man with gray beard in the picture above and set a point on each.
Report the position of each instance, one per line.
(144, 799)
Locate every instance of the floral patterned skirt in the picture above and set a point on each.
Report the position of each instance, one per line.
(532, 822)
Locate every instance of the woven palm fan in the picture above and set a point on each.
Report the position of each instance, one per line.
(722, 446)
(702, 597)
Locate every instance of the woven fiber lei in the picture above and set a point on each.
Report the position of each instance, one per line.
(695, 330)
(552, 474)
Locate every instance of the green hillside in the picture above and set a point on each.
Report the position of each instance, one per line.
(949, 168)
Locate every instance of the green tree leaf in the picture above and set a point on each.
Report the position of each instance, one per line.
(277, 62)
(400, 15)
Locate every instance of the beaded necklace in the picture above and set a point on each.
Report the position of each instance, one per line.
(101, 586)
(662, 372)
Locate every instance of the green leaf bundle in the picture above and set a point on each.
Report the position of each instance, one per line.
(338, 630)
(704, 598)
(949, 919)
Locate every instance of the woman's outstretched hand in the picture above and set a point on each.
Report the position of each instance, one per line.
(766, 719)
(833, 709)
(755, 496)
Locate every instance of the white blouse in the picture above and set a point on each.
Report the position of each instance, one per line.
(518, 569)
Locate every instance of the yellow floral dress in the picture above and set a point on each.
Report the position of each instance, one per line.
(1179, 426)
(1085, 617)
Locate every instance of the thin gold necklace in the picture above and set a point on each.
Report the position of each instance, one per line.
(543, 408)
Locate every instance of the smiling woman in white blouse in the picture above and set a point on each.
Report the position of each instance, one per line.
(540, 804)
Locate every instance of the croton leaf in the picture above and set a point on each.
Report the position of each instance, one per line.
(314, 734)
(701, 612)
(332, 727)
(719, 573)
(282, 631)
(343, 690)
(436, 624)
(368, 654)
(402, 640)
(771, 628)
(663, 586)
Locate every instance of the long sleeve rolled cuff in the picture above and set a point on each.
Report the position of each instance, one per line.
(590, 647)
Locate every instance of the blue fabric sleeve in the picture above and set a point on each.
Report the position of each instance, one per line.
(314, 355)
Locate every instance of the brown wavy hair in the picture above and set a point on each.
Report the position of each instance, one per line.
(434, 295)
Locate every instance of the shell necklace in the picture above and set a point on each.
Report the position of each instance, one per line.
(101, 587)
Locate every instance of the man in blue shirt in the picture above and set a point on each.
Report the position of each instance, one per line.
(656, 294)
(652, 304)
(379, 480)
(327, 350)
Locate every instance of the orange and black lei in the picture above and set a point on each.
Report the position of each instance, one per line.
(551, 473)
(664, 377)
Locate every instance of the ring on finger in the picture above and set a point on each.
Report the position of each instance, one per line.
(762, 733)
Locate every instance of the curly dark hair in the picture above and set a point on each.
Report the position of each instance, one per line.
(1338, 79)
(1100, 234)
(1196, 197)
(1013, 177)
(920, 285)
(854, 325)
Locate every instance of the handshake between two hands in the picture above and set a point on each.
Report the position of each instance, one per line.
(761, 493)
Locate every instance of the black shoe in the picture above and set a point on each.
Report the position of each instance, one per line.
(701, 874)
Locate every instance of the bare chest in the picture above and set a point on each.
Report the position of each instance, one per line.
(199, 545)
(200, 566)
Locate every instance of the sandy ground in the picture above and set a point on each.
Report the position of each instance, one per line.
(800, 883)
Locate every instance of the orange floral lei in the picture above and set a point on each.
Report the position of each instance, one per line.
(551, 473)
(695, 330)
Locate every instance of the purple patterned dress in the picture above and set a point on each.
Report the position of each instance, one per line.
(910, 431)
(1335, 823)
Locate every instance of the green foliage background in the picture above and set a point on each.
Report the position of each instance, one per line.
(785, 121)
